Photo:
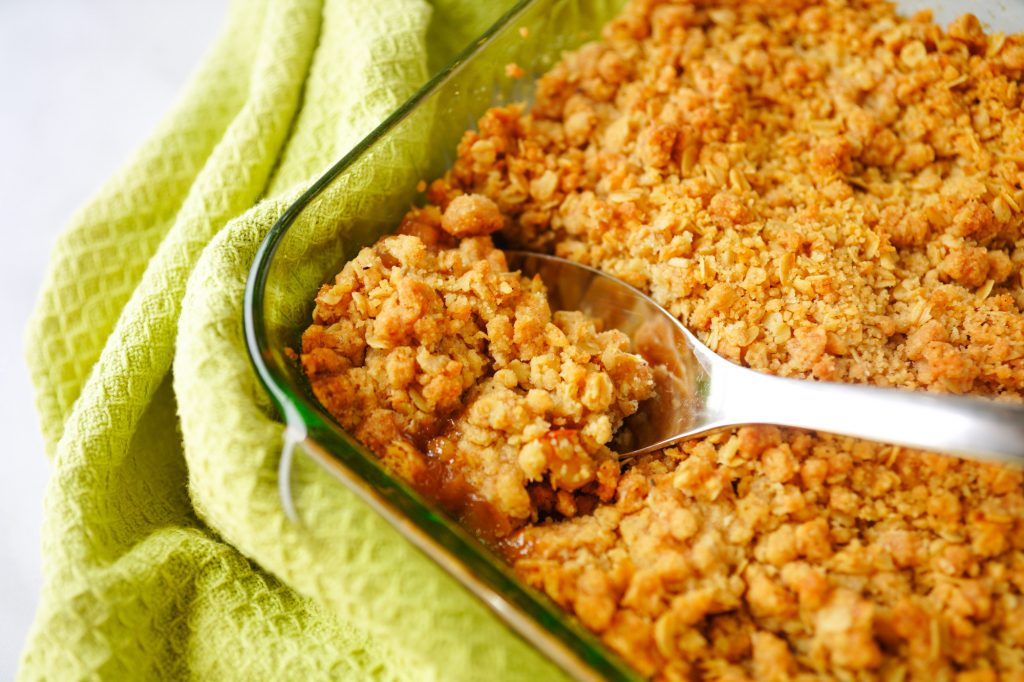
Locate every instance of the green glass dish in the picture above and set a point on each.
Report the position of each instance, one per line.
(364, 196)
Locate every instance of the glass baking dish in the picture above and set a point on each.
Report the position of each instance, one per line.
(364, 196)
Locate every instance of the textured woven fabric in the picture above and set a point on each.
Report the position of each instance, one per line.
(166, 553)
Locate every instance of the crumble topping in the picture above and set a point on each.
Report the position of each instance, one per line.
(823, 190)
(458, 375)
(767, 553)
(819, 190)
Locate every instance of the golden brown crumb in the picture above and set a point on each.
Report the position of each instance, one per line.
(513, 70)
(471, 215)
(457, 374)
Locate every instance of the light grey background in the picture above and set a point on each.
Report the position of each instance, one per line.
(82, 82)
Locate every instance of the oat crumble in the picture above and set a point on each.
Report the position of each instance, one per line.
(817, 189)
(457, 374)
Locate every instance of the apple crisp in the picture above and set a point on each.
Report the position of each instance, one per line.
(458, 375)
(817, 189)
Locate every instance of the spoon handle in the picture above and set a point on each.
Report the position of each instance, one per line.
(969, 427)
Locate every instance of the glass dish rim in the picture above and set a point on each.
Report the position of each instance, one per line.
(531, 615)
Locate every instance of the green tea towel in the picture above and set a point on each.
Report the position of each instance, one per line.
(166, 553)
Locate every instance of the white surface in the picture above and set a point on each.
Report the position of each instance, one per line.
(81, 84)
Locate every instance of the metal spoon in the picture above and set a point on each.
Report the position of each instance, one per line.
(699, 392)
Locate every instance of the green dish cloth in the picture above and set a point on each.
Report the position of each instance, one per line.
(166, 553)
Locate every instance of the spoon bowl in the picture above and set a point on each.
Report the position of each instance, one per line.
(699, 392)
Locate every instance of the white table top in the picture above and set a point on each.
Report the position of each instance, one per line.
(81, 84)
